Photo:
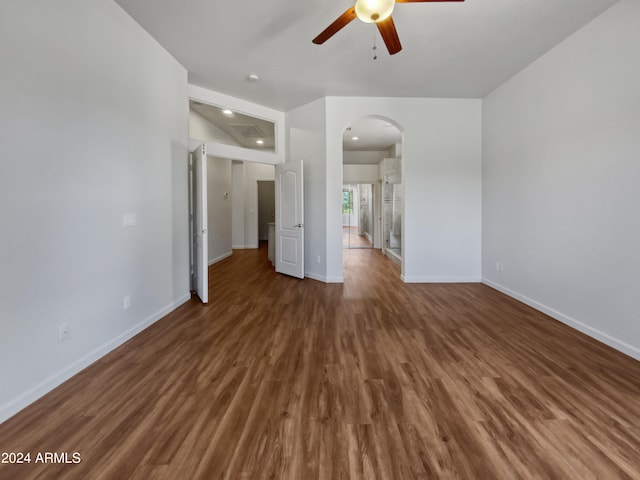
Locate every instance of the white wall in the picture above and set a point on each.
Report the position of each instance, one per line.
(219, 208)
(306, 132)
(360, 173)
(364, 157)
(561, 171)
(441, 156)
(94, 126)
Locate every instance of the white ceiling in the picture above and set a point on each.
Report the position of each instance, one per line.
(456, 49)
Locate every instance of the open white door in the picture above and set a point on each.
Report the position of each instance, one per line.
(200, 253)
(289, 219)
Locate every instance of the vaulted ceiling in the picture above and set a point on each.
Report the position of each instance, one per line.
(453, 49)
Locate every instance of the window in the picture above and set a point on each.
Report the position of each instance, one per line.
(347, 201)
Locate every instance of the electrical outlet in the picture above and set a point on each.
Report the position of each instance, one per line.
(317, 258)
(64, 331)
(499, 267)
(126, 302)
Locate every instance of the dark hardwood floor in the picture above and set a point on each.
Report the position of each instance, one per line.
(286, 378)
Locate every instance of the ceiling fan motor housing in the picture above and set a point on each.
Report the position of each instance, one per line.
(373, 11)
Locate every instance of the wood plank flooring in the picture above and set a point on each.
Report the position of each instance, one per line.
(373, 379)
(352, 239)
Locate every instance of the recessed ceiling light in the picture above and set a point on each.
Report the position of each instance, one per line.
(253, 77)
(355, 138)
(259, 142)
(226, 111)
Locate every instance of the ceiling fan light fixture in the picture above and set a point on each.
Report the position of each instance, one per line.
(374, 11)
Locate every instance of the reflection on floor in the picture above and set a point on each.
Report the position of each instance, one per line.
(351, 239)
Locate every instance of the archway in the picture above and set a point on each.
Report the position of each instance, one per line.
(372, 173)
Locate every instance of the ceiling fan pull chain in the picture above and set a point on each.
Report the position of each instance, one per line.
(375, 56)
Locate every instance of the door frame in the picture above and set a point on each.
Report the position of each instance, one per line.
(257, 207)
(198, 207)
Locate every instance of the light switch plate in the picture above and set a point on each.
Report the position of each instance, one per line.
(129, 220)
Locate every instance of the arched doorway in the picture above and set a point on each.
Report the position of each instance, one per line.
(372, 186)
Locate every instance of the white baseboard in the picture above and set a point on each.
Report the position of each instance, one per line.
(221, 257)
(613, 342)
(324, 279)
(408, 279)
(25, 399)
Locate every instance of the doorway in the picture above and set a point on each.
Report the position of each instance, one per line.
(358, 221)
(266, 208)
(372, 193)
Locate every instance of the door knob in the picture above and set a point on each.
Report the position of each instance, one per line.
(300, 225)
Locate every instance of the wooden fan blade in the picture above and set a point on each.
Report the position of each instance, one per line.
(336, 26)
(390, 35)
(424, 1)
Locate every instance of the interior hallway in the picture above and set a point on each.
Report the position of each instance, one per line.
(285, 378)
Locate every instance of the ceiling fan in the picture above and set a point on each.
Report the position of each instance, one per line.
(372, 11)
